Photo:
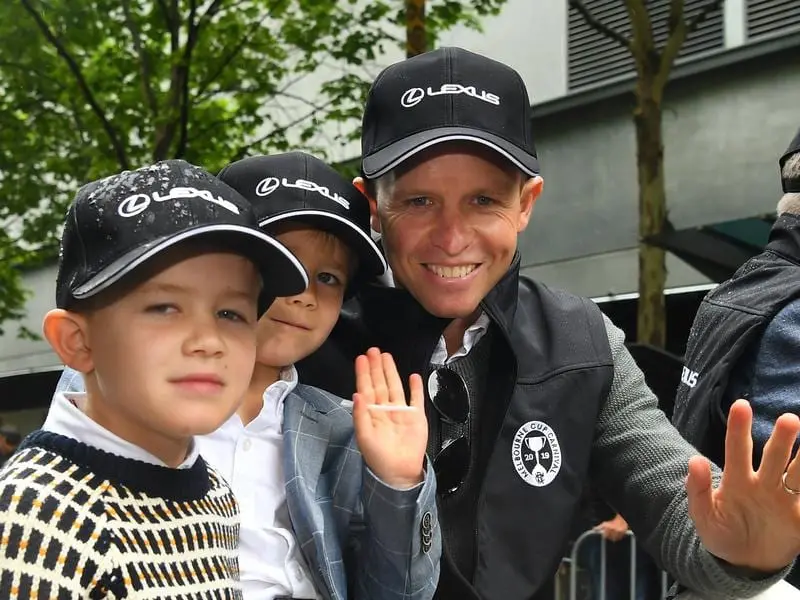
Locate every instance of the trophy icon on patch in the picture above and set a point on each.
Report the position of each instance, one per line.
(535, 444)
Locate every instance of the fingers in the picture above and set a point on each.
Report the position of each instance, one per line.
(395, 386)
(739, 442)
(698, 489)
(778, 449)
(377, 375)
(364, 379)
(417, 392)
(362, 420)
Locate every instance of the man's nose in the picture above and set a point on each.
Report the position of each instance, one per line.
(451, 232)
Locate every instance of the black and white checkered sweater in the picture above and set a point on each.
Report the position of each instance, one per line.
(78, 522)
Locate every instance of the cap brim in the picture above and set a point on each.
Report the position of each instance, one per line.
(282, 273)
(371, 260)
(388, 158)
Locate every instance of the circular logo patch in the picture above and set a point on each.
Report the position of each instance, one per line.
(536, 453)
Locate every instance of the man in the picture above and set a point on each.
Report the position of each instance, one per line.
(531, 389)
(745, 338)
(9, 440)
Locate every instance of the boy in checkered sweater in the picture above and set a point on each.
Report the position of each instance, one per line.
(162, 276)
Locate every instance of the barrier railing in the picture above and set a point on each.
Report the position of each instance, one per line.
(571, 566)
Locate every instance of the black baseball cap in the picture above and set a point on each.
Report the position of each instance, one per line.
(792, 184)
(119, 223)
(298, 187)
(444, 95)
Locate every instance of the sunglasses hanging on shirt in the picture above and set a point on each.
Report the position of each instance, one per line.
(449, 395)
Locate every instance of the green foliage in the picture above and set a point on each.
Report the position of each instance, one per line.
(90, 87)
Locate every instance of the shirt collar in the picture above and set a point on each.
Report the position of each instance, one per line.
(65, 418)
(472, 336)
(275, 395)
(270, 417)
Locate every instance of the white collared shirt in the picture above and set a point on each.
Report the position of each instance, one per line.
(250, 458)
(66, 418)
(472, 336)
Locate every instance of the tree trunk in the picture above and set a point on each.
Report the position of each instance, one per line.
(416, 38)
(651, 317)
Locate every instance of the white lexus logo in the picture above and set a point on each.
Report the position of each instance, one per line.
(138, 203)
(269, 184)
(413, 96)
(266, 186)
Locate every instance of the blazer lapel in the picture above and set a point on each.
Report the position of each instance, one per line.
(306, 433)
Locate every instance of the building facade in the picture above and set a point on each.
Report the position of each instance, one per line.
(730, 110)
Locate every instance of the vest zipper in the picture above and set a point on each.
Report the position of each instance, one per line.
(512, 380)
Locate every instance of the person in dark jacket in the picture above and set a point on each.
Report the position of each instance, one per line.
(531, 390)
(9, 440)
(745, 339)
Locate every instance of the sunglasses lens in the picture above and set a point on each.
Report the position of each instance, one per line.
(451, 464)
(448, 394)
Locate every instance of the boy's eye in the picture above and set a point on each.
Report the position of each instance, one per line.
(232, 315)
(328, 279)
(161, 308)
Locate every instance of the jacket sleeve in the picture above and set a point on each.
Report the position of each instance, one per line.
(401, 543)
(639, 465)
(773, 381)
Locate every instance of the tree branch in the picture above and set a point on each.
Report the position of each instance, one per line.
(643, 45)
(231, 55)
(119, 149)
(191, 40)
(712, 6)
(144, 62)
(242, 150)
(165, 127)
(167, 16)
(598, 25)
(30, 69)
(306, 101)
(211, 11)
(679, 32)
(675, 16)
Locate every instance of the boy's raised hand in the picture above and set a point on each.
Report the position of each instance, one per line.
(391, 435)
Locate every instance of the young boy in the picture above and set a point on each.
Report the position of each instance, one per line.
(317, 522)
(157, 294)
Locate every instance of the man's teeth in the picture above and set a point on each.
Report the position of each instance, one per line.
(452, 272)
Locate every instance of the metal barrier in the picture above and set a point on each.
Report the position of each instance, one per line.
(570, 565)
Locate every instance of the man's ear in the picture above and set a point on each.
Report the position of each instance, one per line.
(374, 221)
(67, 333)
(531, 190)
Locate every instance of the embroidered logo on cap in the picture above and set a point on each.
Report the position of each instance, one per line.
(536, 453)
(413, 96)
(268, 185)
(137, 203)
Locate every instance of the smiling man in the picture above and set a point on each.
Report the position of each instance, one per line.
(531, 392)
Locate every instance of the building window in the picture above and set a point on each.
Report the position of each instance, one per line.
(768, 17)
(595, 59)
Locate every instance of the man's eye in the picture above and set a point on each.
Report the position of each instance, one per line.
(418, 201)
(484, 201)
